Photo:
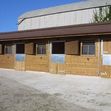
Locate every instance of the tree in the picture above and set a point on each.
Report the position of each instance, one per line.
(103, 14)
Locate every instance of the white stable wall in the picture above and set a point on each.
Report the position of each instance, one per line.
(58, 19)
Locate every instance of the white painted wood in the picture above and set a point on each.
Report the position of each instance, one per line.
(59, 19)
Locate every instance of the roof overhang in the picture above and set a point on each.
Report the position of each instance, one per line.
(65, 31)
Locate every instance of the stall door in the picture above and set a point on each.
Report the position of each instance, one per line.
(57, 58)
(20, 57)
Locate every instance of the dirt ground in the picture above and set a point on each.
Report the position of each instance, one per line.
(37, 91)
(17, 97)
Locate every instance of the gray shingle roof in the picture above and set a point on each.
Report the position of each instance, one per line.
(64, 8)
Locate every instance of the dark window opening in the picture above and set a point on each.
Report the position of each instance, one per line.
(1, 49)
(58, 48)
(34, 49)
(20, 48)
(41, 48)
(88, 48)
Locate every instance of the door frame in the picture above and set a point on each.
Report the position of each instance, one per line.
(55, 67)
(20, 64)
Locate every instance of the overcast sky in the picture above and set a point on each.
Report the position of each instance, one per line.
(10, 10)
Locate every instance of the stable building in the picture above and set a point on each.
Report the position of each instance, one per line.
(83, 49)
(64, 15)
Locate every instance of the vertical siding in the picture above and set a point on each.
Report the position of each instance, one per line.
(59, 19)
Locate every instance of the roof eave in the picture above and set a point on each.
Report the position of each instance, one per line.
(64, 31)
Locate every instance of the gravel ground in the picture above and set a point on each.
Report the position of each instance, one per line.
(61, 92)
(18, 97)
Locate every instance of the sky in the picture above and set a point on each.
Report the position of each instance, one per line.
(10, 10)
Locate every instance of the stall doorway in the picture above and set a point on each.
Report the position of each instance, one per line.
(20, 49)
(58, 48)
(57, 61)
(20, 57)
